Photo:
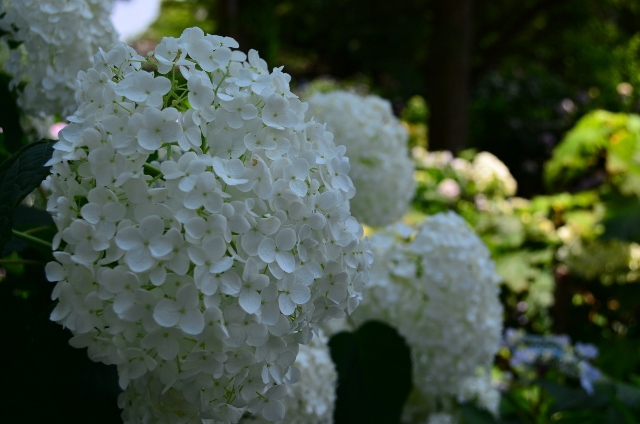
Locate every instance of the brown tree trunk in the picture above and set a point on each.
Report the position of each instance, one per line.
(448, 75)
(225, 13)
(562, 294)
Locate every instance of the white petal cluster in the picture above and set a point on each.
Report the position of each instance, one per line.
(437, 285)
(204, 227)
(488, 174)
(492, 176)
(376, 142)
(312, 399)
(442, 418)
(55, 39)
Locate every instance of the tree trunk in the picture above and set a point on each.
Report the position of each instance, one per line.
(225, 13)
(448, 75)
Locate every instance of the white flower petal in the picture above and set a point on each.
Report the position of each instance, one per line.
(286, 239)
(166, 313)
(267, 250)
(250, 301)
(192, 322)
(286, 261)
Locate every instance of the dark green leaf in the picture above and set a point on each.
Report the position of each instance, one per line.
(582, 416)
(627, 394)
(622, 219)
(20, 174)
(28, 218)
(618, 413)
(471, 414)
(568, 398)
(374, 374)
(618, 358)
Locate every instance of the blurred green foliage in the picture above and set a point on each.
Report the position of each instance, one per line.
(568, 256)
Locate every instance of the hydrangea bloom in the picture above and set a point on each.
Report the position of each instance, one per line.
(376, 142)
(56, 38)
(488, 174)
(204, 226)
(531, 352)
(492, 176)
(312, 399)
(437, 285)
(441, 418)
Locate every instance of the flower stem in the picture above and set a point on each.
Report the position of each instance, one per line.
(36, 229)
(152, 170)
(30, 238)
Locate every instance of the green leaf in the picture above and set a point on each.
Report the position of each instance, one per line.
(619, 358)
(622, 219)
(570, 398)
(374, 374)
(20, 174)
(627, 394)
(471, 414)
(582, 416)
(617, 412)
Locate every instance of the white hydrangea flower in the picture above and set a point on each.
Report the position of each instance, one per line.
(144, 401)
(442, 418)
(200, 241)
(492, 176)
(437, 285)
(376, 142)
(55, 39)
(480, 390)
(312, 399)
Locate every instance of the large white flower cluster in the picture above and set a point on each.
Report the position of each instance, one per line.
(204, 226)
(376, 142)
(55, 39)
(437, 285)
(312, 399)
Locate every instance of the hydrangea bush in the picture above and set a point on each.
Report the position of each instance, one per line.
(450, 178)
(204, 228)
(437, 285)
(52, 40)
(376, 142)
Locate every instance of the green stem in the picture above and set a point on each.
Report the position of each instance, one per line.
(152, 170)
(224, 77)
(122, 106)
(36, 229)
(32, 239)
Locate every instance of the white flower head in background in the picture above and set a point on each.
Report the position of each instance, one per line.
(53, 40)
(204, 226)
(492, 176)
(376, 142)
(437, 285)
